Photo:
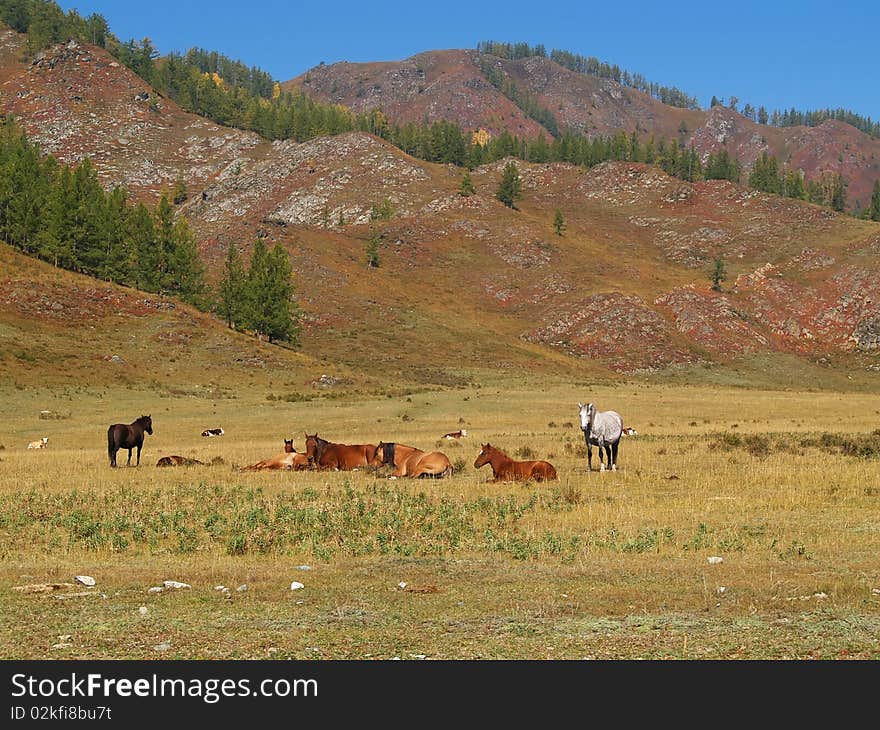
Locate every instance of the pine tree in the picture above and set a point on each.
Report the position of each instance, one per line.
(372, 250)
(142, 234)
(718, 274)
(271, 311)
(510, 187)
(765, 174)
(467, 185)
(232, 294)
(838, 194)
(558, 222)
(179, 194)
(795, 187)
(119, 260)
(874, 210)
(381, 211)
(185, 269)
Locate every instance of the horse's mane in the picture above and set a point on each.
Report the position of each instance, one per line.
(388, 453)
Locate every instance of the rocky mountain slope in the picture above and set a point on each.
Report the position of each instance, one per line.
(451, 85)
(466, 285)
(77, 101)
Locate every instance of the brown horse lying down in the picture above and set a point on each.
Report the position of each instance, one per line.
(178, 461)
(411, 462)
(325, 454)
(506, 469)
(290, 459)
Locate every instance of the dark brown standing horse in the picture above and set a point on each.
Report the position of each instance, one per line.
(325, 454)
(506, 469)
(128, 436)
(409, 461)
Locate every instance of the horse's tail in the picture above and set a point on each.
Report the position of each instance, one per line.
(110, 443)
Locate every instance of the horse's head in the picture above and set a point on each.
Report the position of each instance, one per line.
(288, 446)
(147, 423)
(378, 457)
(483, 456)
(314, 448)
(587, 412)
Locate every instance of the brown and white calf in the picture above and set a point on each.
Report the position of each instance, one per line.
(41, 444)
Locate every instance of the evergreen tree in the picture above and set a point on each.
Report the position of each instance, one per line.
(232, 293)
(558, 222)
(372, 250)
(160, 277)
(142, 234)
(381, 211)
(467, 185)
(718, 273)
(179, 194)
(794, 185)
(185, 276)
(119, 259)
(271, 310)
(838, 194)
(874, 210)
(510, 187)
(765, 174)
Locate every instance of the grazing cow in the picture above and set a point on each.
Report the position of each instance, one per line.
(456, 434)
(41, 444)
(630, 432)
(175, 460)
(212, 432)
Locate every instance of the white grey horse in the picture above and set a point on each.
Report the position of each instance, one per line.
(602, 429)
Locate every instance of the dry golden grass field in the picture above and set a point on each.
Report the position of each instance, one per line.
(783, 485)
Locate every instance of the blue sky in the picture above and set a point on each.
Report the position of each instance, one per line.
(778, 54)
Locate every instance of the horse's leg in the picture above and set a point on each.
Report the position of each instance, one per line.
(590, 456)
(614, 455)
(113, 457)
(129, 457)
(139, 455)
(601, 458)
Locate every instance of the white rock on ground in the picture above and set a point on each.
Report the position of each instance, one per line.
(242, 588)
(296, 585)
(85, 580)
(143, 610)
(175, 584)
(714, 560)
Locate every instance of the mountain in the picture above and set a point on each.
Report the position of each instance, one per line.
(452, 85)
(465, 286)
(77, 101)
